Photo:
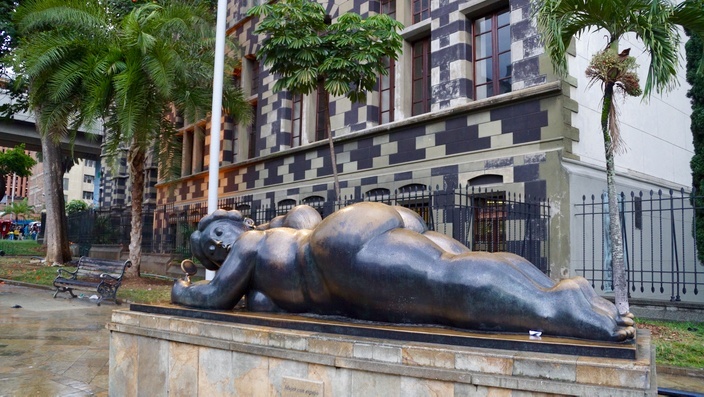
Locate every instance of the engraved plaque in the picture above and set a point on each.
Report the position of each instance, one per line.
(296, 387)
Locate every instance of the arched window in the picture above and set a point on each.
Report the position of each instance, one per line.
(316, 202)
(486, 179)
(244, 209)
(489, 223)
(285, 206)
(378, 195)
(415, 197)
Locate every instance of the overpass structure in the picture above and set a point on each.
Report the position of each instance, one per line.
(21, 129)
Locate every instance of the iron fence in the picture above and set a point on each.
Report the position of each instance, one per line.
(108, 226)
(660, 252)
(482, 220)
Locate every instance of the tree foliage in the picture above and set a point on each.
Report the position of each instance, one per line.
(656, 23)
(695, 56)
(302, 46)
(8, 38)
(306, 51)
(14, 161)
(86, 64)
(75, 206)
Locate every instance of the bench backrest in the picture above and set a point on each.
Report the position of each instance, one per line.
(94, 267)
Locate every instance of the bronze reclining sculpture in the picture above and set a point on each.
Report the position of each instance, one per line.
(372, 261)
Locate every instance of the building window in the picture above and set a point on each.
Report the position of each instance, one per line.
(388, 7)
(244, 209)
(421, 77)
(87, 195)
(90, 163)
(321, 114)
(254, 68)
(316, 202)
(88, 179)
(252, 142)
(284, 206)
(492, 55)
(415, 197)
(237, 77)
(421, 10)
(65, 183)
(297, 120)
(489, 231)
(378, 195)
(386, 93)
(235, 145)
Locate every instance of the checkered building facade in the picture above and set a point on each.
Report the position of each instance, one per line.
(520, 136)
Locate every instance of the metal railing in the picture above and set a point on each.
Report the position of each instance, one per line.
(480, 219)
(108, 226)
(660, 252)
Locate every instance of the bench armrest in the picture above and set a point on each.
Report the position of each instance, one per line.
(61, 272)
(109, 277)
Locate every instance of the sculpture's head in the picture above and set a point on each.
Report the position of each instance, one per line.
(215, 235)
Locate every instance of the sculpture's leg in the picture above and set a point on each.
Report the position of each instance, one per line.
(258, 302)
(540, 278)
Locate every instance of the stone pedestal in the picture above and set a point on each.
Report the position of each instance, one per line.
(157, 354)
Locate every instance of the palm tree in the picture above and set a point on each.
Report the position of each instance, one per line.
(131, 73)
(46, 59)
(20, 208)
(656, 24)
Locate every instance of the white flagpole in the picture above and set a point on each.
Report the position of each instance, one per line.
(214, 166)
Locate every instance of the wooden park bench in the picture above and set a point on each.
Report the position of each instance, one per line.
(102, 275)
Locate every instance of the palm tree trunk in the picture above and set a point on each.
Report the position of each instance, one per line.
(135, 159)
(56, 228)
(619, 269)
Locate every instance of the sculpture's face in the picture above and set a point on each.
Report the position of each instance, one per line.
(215, 240)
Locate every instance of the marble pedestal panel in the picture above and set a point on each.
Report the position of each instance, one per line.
(160, 355)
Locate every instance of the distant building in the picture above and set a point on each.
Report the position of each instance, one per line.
(78, 184)
(16, 188)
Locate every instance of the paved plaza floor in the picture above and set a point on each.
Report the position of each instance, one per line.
(52, 347)
(60, 347)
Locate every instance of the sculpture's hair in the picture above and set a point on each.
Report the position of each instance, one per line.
(234, 216)
(218, 214)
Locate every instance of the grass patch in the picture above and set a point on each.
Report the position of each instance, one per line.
(678, 344)
(158, 294)
(22, 247)
(134, 289)
(40, 275)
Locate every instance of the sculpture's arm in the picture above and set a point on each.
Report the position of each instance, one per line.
(230, 283)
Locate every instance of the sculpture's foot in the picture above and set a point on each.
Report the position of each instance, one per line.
(603, 305)
(583, 314)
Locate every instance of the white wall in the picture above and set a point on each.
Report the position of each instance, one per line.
(657, 132)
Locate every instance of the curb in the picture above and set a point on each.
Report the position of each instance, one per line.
(28, 285)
